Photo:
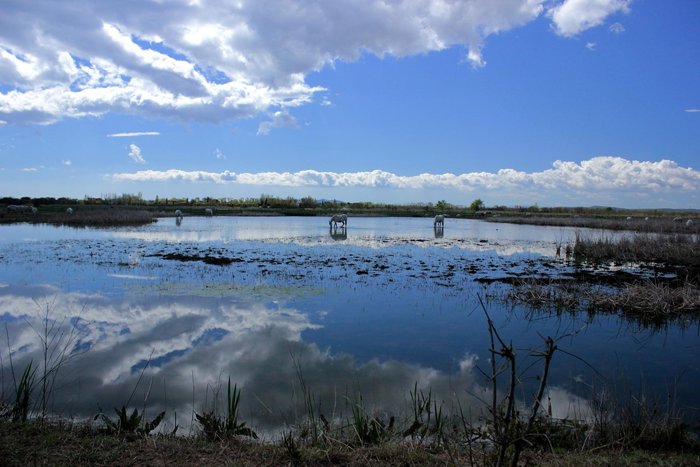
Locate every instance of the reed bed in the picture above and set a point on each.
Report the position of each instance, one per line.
(96, 218)
(644, 300)
(649, 298)
(672, 250)
(636, 224)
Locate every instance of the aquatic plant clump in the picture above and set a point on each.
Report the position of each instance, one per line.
(638, 223)
(96, 217)
(676, 250)
(642, 299)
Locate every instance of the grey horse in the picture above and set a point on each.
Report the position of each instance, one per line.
(338, 219)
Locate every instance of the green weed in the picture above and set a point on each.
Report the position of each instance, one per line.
(130, 424)
(214, 426)
(370, 430)
(23, 393)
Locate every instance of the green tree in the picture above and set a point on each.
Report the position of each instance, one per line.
(308, 202)
(442, 205)
(476, 205)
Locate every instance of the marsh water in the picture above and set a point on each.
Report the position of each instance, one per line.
(161, 316)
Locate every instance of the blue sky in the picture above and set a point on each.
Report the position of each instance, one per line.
(568, 102)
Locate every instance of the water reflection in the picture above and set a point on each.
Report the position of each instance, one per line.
(502, 239)
(439, 230)
(186, 347)
(338, 233)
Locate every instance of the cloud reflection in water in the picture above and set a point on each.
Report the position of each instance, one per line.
(195, 343)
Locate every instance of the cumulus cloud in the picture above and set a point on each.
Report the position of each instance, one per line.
(67, 162)
(135, 154)
(590, 45)
(133, 134)
(209, 60)
(280, 119)
(572, 17)
(596, 174)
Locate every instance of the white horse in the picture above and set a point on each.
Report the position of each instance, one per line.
(69, 211)
(689, 223)
(338, 219)
(208, 212)
(439, 221)
(178, 213)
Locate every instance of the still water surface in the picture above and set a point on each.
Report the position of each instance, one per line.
(165, 313)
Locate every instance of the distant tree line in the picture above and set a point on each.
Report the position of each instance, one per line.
(311, 206)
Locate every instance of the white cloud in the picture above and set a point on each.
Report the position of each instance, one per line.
(590, 45)
(67, 162)
(135, 154)
(211, 61)
(474, 56)
(572, 17)
(617, 28)
(597, 175)
(692, 110)
(219, 155)
(280, 119)
(133, 134)
(30, 169)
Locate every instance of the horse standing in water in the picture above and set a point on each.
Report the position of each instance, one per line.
(338, 219)
(439, 226)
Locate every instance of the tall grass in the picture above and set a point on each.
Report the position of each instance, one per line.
(57, 347)
(96, 217)
(659, 224)
(23, 391)
(648, 301)
(678, 250)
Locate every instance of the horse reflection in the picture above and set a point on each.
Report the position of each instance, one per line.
(439, 231)
(338, 233)
(178, 221)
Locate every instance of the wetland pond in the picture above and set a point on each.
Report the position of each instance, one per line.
(160, 316)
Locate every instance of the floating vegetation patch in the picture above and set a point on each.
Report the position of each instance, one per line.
(647, 299)
(208, 259)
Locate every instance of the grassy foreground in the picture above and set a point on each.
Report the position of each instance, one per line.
(36, 443)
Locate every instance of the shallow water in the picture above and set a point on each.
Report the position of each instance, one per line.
(166, 313)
